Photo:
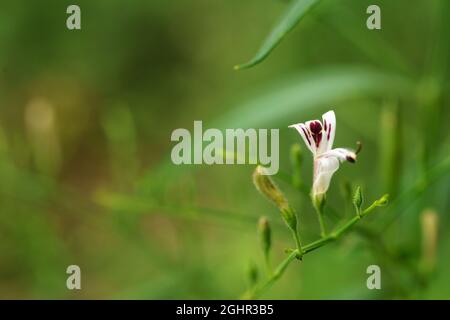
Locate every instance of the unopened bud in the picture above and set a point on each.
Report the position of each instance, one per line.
(290, 218)
(268, 188)
(264, 235)
(383, 201)
(358, 199)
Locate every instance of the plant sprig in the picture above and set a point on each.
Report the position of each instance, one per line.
(301, 251)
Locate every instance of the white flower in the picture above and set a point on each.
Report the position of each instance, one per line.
(319, 138)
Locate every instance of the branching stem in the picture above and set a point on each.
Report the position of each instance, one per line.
(301, 251)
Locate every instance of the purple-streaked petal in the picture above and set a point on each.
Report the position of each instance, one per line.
(315, 128)
(341, 154)
(329, 130)
(306, 135)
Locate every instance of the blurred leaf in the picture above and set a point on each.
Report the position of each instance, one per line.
(297, 10)
(416, 190)
(323, 86)
(136, 204)
(120, 131)
(390, 144)
(372, 44)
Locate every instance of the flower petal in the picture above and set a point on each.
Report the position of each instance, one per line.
(329, 130)
(326, 164)
(341, 154)
(306, 135)
(324, 168)
(318, 136)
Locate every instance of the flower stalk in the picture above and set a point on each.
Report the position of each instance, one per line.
(319, 205)
(358, 200)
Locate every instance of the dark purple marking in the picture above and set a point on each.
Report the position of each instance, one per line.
(315, 127)
(316, 131)
(318, 139)
(306, 135)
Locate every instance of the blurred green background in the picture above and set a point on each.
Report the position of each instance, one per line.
(85, 124)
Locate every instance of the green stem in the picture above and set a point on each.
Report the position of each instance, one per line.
(298, 243)
(275, 276)
(301, 251)
(268, 265)
(319, 210)
(306, 192)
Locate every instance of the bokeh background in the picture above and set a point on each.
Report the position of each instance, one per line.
(85, 124)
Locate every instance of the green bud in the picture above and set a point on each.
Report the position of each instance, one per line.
(268, 188)
(290, 218)
(358, 199)
(383, 201)
(264, 235)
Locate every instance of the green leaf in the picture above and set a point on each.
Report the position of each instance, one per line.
(372, 44)
(293, 15)
(286, 99)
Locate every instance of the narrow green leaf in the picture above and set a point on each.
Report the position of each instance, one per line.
(293, 15)
(285, 99)
(371, 44)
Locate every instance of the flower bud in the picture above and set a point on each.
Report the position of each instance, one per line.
(382, 201)
(358, 199)
(290, 218)
(264, 235)
(268, 188)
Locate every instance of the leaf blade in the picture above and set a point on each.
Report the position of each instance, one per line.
(290, 19)
(312, 88)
